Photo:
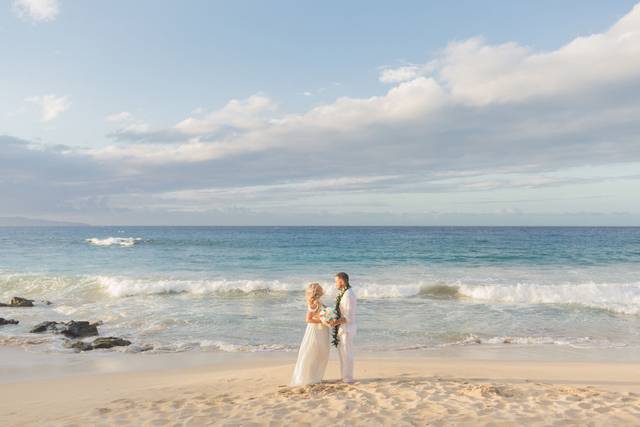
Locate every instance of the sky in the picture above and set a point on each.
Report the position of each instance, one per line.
(320, 113)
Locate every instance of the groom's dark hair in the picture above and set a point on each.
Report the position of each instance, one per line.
(344, 276)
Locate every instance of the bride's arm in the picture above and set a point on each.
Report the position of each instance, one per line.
(311, 317)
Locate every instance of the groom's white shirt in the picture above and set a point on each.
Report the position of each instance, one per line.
(346, 333)
(348, 306)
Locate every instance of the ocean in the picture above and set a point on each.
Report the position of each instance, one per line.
(241, 289)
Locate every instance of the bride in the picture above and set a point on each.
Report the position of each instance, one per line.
(314, 349)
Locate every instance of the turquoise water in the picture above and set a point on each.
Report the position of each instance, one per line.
(173, 289)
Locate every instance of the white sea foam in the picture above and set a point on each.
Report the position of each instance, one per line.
(232, 348)
(623, 297)
(114, 241)
(376, 290)
(574, 342)
(186, 322)
(126, 286)
(617, 297)
(212, 345)
(577, 342)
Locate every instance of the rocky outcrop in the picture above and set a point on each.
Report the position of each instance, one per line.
(71, 329)
(21, 302)
(103, 342)
(79, 345)
(8, 321)
(80, 329)
(108, 342)
(44, 327)
(18, 302)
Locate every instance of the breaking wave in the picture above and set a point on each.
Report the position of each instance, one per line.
(127, 287)
(617, 297)
(125, 242)
(623, 298)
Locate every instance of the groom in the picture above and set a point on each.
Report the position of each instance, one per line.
(345, 327)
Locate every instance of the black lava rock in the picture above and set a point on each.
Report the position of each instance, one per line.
(71, 329)
(79, 329)
(45, 326)
(108, 342)
(18, 302)
(104, 342)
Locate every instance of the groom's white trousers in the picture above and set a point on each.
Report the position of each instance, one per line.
(345, 350)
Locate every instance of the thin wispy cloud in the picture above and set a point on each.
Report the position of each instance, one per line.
(404, 73)
(51, 106)
(122, 116)
(37, 10)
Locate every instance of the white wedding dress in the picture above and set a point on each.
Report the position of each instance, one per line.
(313, 355)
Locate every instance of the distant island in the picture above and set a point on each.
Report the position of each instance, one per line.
(18, 221)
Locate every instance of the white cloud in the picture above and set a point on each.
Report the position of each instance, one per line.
(233, 119)
(481, 74)
(37, 10)
(240, 114)
(472, 98)
(251, 131)
(477, 73)
(122, 116)
(129, 125)
(406, 101)
(477, 118)
(51, 105)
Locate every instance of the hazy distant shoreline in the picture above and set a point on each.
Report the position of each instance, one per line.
(19, 221)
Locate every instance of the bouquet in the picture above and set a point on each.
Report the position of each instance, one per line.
(328, 315)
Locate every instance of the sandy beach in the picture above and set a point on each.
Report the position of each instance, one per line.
(399, 391)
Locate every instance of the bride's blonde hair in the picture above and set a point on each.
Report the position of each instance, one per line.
(314, 292)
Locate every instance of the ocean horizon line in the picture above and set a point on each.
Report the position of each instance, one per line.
(83, 225)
